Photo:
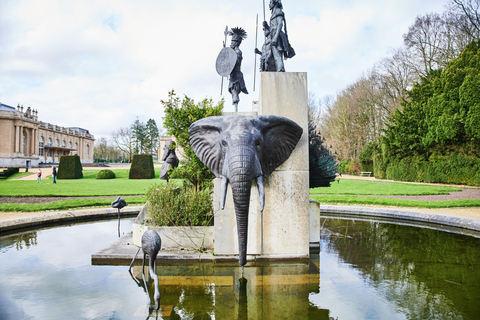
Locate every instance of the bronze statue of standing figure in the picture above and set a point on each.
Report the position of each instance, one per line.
(169, 159)
(276, 39)
(236, 82)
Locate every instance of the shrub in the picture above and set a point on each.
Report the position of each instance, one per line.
(456, 169)
(169, 205)
(70, 167)
(179, 115)
(366, 157)
(142, 167)
(106, 174)
(351, 166)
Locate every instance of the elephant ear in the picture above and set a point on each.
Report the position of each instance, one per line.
(280, 137)
(205, 142)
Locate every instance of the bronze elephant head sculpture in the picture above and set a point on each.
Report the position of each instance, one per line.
(239, 149)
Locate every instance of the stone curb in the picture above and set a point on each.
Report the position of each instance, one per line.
(436, 218)
(65, 216)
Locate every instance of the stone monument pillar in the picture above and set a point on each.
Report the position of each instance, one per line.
(281, 231)
(286, 214)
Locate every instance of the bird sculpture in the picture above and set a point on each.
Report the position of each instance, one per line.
(119, 204)
(151, 244)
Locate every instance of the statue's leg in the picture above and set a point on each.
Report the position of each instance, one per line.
(277, 56)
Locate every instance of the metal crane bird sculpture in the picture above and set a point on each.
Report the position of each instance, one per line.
(119, 204)
(151, 244)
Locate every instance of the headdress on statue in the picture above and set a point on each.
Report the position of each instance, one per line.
(238, 34)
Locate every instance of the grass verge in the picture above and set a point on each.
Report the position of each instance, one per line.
(356, 187)
(66, 204)
(336, 199)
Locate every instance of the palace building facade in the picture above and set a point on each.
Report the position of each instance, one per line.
(27, 142)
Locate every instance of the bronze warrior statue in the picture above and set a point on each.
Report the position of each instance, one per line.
(281, 48)
(237, 83)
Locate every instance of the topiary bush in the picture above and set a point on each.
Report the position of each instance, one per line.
(105, 174)
(142, 167)
(169, 205)
(70, 167)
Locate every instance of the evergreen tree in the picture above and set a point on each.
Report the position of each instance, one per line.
(322, 163)
(152, 134)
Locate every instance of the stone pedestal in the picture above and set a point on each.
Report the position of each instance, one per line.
(282, 230)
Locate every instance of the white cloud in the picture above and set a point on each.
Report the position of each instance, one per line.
(100, 64)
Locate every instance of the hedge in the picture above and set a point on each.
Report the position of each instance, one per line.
(70, 167)
(456, 169)
(142, 167)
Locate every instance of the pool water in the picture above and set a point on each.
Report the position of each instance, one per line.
(365, 270)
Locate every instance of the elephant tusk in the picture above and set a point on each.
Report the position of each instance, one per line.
(223, 192)
(261, 192)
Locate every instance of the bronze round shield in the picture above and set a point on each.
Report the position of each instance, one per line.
(226, 61)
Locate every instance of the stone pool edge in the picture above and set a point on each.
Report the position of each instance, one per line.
(435, 218)
(53, 218)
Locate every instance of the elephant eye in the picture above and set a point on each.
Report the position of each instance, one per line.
(224, 143)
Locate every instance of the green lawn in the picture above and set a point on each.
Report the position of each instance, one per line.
(344, 192)
(88, 186)
(349, 191)
(360, 187)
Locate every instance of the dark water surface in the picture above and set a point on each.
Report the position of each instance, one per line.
(365, 270)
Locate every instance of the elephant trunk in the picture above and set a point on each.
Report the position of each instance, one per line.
(244, 168)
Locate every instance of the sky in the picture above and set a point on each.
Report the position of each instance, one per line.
(101, 64)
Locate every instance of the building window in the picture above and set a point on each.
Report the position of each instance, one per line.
(76, 146)
(87, 149)
(24, 139)
(70, 145)
(40, 146)
(64, 144)
(57, 144)
(50, 142)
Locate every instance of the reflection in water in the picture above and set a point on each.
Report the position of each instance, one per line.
(419, 273)
(365, 270)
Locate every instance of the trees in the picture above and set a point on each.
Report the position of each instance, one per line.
(151, 136)
(436, 138)
(139, 138)
(179, 115)
(123, 140)
(104, 151)
(361, 112)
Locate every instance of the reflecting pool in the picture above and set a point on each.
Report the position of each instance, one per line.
(365, 270)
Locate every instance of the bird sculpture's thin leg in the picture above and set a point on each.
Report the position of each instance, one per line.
(118, 222)
(133, 260)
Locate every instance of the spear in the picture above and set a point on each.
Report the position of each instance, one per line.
(255, 54)
(224, 45)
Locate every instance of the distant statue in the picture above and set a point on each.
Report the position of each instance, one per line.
(266, 57)
(119, 204)
(169, 159)
(281, 48)
(237, 83)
